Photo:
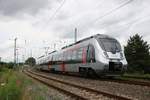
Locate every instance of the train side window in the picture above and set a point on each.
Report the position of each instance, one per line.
(74, 56)
(56, 57)
(79, 58)
(50, 60)
(90, 54)
(65, 56)
(69, 55)
(61, 57)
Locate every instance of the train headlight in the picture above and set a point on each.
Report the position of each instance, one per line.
(106, 55)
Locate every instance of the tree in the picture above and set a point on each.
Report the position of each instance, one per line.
(137, 53)
(30, 61)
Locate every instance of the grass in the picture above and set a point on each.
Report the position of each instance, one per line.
(14, 85)
(137, 75)
(10, 88)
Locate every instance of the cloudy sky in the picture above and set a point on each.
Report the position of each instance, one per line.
(39, 24)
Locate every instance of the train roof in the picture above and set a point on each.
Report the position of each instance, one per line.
(40, 56)
(52, 52)
(102, 36)
(94, 36)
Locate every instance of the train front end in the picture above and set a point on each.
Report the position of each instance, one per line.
(113, 61)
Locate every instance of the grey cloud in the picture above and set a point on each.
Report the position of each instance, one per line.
(15, 7)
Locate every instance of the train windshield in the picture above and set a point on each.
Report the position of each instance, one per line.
(109, 44)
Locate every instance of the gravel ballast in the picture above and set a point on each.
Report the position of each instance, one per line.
(132, 91)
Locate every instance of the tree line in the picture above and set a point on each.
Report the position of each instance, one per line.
(137, 52)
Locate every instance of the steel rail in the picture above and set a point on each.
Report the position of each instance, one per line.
(84, 88)
(55, 87)
(130, 82)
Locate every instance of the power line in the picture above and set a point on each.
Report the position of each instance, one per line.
(53, 15)
(61, 5)
(115, 9)
(111, 11)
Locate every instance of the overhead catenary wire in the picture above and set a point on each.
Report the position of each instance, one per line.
(109, 12)
(54, 14)
(57, 10)
(50, 19)
(113, 10)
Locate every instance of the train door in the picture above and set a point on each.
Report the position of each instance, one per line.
(86, 68)
(90, 54)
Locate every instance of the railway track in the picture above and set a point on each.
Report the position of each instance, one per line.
(54, 87)
(131, 82)
(73, 90)
(134, 77)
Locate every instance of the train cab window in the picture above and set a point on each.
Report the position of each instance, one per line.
(109, 44)
(90, 54)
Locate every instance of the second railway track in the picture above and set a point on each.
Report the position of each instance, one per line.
(131, 82)
(117, 80)
(74, 90)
